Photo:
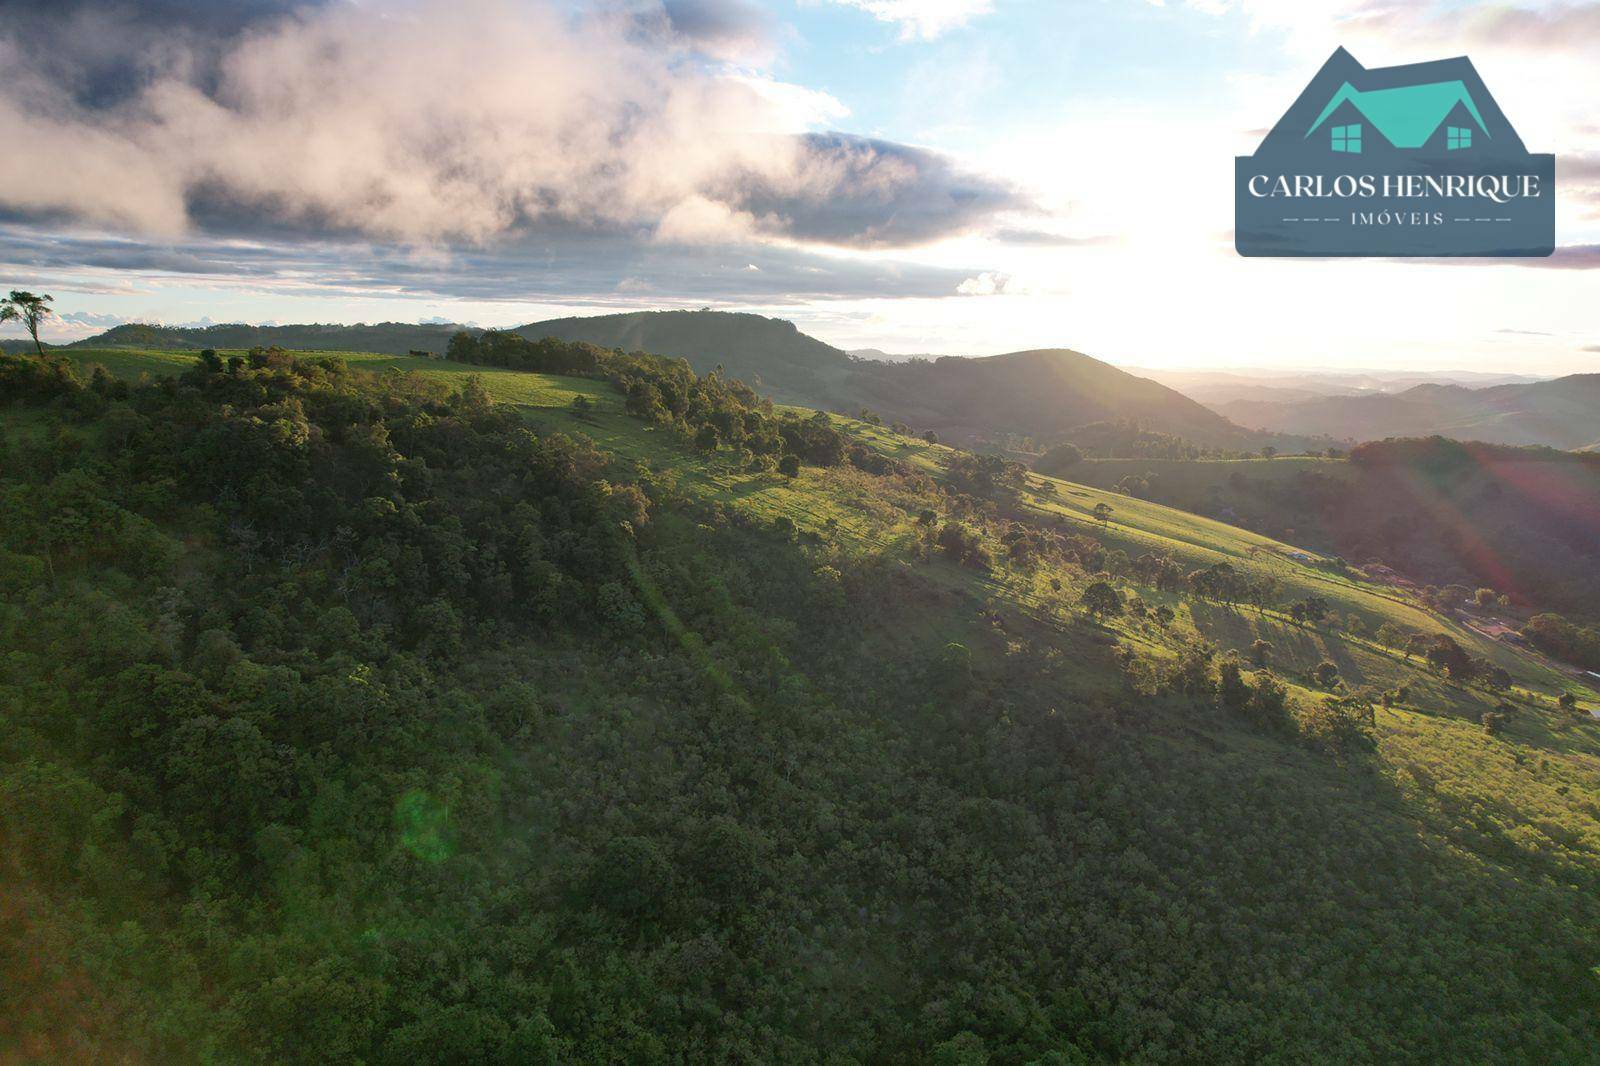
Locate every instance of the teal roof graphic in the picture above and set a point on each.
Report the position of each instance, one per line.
(1411, 160)
(1407, 115)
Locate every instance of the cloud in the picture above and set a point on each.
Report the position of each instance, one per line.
(726, 29)
(985, 284)
(1046, 239)
(1559, 26)
(99, 53)
(870, 193)
(922, 19)
(90, 319)
(552, 265)
(1580, 168)
(431, 122)
(1566, 257)
(1539, 26)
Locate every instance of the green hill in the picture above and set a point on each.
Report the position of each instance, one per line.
(1042, 394)
(770, 354)
(1045, 394)
(376, 708)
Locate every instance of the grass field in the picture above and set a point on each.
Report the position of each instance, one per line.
(843, 506)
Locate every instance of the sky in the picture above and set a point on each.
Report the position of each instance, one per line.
(918, 176)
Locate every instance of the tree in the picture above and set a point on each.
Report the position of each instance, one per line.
(1231, 686)
(1568, 702)
(29, 309)
(1101, 600)
(789, 465)
(1268, 452)
(708, 438)
(1261, 652)
(1102, 513)
(1061, 457)
(1326, 674)
(1445, 655)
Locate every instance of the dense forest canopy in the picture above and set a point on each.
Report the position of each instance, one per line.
(355, 716)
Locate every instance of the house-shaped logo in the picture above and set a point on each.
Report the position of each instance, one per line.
(1416, 160)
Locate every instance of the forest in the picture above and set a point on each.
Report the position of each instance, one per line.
(357, 715)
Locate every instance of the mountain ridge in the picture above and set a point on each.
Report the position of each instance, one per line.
(1042, 394)
(1558, 413)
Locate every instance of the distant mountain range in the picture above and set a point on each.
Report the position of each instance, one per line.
(1214, 387)
(1043, 394)
(1562, 413)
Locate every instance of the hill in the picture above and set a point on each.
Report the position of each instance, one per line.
(769, 354)
(1522, 521)
(1556, 414)
(395, 338)
(1043, 394)
(383, 708)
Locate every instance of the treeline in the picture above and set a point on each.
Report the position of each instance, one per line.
(1565, 640)
(712, 410)
(1445, 453)
(1122, 439)
(504, 348)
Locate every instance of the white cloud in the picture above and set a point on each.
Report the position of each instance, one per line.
(443, 121)
(923, 19)
(985, 284)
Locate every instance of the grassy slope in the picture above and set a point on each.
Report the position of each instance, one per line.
(840, 503)
(1533, 783)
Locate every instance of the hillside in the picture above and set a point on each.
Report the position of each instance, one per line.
(1042, 394)
(1045, 394)
(543, 718)
(769, 354)
(1524, 522)
(1556, 414)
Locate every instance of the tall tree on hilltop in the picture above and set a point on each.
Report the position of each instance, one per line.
(29, 309)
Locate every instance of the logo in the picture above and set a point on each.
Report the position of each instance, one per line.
(1401, 161)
